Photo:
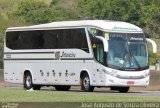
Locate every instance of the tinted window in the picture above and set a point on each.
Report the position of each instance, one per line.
(97, 45)
(47, 39)
(25, 40)
(50, 39)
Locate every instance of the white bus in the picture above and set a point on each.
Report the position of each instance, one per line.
(90, 53)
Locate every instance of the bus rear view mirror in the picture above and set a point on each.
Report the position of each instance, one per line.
(105, 43)
(154, 45)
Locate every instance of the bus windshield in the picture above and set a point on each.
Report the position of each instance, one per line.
(127, 51)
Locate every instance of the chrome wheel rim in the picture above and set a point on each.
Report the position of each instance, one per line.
(86, 82)
(28, 81)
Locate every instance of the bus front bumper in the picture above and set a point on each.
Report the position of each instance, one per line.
(113, 81)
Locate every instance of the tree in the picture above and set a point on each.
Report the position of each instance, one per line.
(42, 15)
(32, 11)
(65, 9)
(143, 13)
(54, 2)
(150, 18)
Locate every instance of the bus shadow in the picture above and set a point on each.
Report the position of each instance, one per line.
(96, 91)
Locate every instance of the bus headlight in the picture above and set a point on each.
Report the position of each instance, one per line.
(112, 73)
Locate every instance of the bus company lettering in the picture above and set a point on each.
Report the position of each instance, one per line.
(64, 54)
(138, 39)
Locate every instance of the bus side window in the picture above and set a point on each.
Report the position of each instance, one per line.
(12, 39)
(50, 39)
(64, 39)
(79, 39)
(26, 40)
(98, 51)
(38, 39)
(97, 45)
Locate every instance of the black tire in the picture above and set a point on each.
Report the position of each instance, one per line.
(123, 89)
(62, 88)
(85, 84)
(28, 84)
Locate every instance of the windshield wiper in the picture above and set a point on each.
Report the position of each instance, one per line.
(132, 56)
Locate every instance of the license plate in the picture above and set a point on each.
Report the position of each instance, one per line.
(130, 82)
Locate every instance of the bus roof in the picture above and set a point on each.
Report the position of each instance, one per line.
(108, 25)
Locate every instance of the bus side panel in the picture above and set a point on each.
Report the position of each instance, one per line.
(12, 72)
(54, 73)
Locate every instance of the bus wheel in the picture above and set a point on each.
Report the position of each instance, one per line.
(36, 87)
(85, 85)
(62, 88)
(123, 89)
(28, 81)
